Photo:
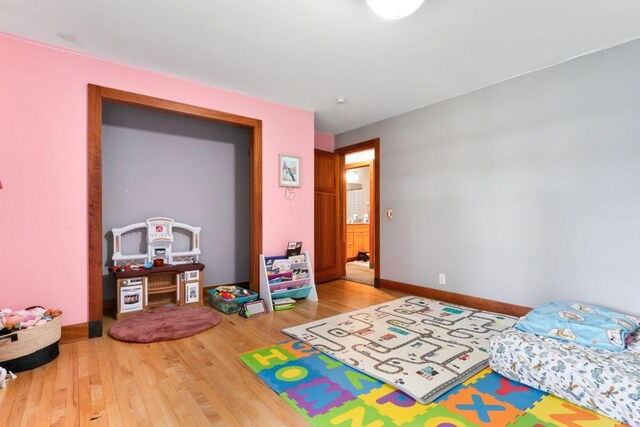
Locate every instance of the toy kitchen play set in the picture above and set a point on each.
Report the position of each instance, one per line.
(160, 276)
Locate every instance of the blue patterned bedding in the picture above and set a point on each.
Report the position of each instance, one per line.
(603, 381)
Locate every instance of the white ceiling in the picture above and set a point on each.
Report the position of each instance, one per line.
(306, 53)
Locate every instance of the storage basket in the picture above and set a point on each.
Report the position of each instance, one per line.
(29, 348)
(229, 305)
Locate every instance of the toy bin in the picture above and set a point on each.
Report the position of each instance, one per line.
(29, 348)
(229, 305)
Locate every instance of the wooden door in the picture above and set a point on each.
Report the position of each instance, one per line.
(360, 238)
(328, 211)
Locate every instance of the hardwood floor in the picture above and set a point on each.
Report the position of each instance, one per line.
(193, 381)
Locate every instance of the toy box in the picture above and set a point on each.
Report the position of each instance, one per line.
(29, 348)
(229, 305)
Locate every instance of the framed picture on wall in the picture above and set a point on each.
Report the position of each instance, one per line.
(289, 171)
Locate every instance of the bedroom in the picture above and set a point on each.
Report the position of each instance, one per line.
(510, 164)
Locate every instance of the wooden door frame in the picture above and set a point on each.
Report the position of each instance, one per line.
(96, 96)
(375, 212)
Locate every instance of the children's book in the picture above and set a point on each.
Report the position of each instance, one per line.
(294, 248)
(284, 301)
(296, 259)
(282, 265)
(268, 260)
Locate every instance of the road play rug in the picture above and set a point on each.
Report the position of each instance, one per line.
(422, 346)
(326, 392)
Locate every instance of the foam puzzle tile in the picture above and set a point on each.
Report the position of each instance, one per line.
(348, 378)
(478, 376)
(268, 357)
(298, 348)
(529, 420)
(559, 412)
(353, 413)
(394, 404)
(439, 416)
(504, 390)
(318, 396)
(288, 375)
(481, 409)
(450, 393)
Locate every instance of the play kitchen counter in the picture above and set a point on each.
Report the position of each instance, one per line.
(139, 290)
(160, 276)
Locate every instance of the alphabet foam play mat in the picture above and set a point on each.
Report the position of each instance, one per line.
(326, 392)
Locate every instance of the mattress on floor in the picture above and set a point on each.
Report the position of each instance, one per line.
(604, 381)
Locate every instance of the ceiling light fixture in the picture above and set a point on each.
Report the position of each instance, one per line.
(340, 100)
(394, 9)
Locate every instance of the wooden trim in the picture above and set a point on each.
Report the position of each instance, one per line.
(96, 96)
(342, 215)
(454, 298)
(159, 104)
(356, 165)
(256, 206)
(94, 172)
(73, 333)
(361, 146)
(372, 216)
(375, 216)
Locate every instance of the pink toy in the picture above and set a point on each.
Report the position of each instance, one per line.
(28, 318)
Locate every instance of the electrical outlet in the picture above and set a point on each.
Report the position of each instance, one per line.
(443, 279)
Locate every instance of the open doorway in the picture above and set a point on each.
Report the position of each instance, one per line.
(360, 212)
(358, 229)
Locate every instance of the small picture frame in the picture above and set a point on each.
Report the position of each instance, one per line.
(289, 171)
(253, 308)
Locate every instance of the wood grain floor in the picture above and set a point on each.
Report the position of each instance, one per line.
(195, 381)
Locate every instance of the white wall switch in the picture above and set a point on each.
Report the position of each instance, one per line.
(443, 279)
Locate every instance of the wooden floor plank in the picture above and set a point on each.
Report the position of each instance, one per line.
(197, 381)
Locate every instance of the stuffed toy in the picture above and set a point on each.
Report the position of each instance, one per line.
(27, 318)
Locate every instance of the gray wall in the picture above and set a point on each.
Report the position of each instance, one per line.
(523, 192)
(194, 171)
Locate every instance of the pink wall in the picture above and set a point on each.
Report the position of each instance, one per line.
(324, 141)
(43, 166)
